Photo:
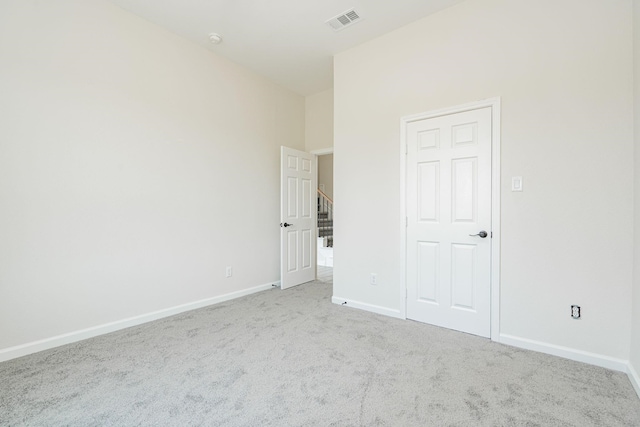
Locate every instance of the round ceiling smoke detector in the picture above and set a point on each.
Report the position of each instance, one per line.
(215, 38)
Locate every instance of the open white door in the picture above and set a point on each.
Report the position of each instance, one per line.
(298, 212)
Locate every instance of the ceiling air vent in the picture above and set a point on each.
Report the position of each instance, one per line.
(343, 20)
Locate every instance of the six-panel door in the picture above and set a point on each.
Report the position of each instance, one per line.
(448, 204)
(298, 212)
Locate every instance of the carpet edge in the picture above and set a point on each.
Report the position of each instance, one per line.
(94, 331)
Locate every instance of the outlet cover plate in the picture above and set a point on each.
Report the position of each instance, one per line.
(575, 312)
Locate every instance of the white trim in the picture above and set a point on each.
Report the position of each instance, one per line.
(494, 103)
(367, 307)
(322, 151)
(495, 216)
(567, 353)
(403, 217)
(71, 337)
(634, 378)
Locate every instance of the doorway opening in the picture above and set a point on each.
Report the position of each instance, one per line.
(324, 252)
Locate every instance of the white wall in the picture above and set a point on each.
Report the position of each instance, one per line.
(635, 337)
(325, 173)
(134, 166)
(564, 72)
(319, 121)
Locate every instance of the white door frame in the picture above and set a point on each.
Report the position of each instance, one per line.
(494, 103)
(322, 151)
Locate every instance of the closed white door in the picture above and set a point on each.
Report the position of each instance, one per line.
(448, 221)
(298, 217)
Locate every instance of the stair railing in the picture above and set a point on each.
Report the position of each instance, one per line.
(325, 204)
(325, 219)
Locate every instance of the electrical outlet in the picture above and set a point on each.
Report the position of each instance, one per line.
(229, 272)
(575, 311)
(374, 279)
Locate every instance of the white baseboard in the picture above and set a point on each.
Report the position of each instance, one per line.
(367, 307)
(71, 337)
(566, 352)
(634, 378)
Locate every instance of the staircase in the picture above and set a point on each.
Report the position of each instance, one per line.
(325, 219)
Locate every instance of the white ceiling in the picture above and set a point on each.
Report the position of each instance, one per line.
(287, 41)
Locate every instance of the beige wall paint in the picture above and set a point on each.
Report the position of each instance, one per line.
(564, 73)
(325, 173)
(635, 336)
(134, 166)
(319, 121)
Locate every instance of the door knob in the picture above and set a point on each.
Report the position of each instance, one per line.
(482, 234)
(285, 225)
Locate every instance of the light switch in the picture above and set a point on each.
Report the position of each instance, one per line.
(516, 183)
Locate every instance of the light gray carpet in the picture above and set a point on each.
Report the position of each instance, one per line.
(291, 358)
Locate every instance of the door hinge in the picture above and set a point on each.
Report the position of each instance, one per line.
(492, 234)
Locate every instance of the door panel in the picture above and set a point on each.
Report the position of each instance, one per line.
(463, 266)
(448, 202)
(429, 191)
(464, 189)
(428, 266)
